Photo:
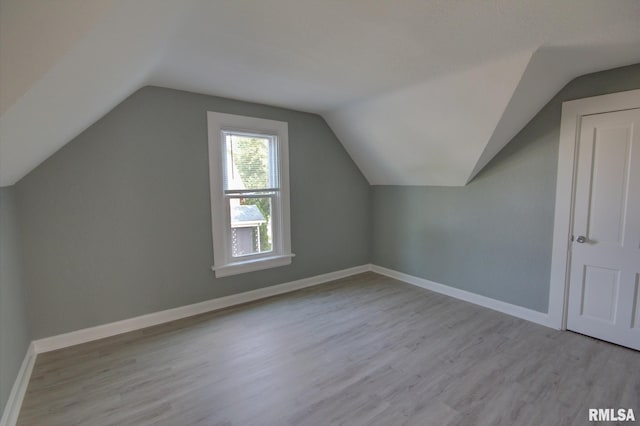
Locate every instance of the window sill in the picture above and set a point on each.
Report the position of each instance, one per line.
(251, 265)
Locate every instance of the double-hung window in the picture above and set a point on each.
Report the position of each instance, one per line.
(249, 173)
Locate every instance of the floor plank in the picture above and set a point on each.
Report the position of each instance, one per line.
(365, 350)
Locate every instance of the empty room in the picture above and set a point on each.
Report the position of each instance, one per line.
(306, 212)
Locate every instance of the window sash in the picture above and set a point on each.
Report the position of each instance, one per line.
(274, 156)
(272, 192)
(276, 225)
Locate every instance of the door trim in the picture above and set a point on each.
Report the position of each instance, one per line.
(572, 113)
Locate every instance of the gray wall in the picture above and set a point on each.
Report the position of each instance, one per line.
(492, 237)
(14, 328)
(117, 223)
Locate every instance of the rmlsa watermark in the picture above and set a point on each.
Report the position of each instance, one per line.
(611, 415)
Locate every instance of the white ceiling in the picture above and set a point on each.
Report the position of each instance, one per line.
(419, 92)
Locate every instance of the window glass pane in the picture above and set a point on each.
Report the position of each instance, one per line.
(251, 231)
(248, 161)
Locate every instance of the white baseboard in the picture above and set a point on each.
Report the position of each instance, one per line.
(12, 407)
(487, 302)
(107, 330)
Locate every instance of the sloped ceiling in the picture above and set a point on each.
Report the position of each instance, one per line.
(419, 92)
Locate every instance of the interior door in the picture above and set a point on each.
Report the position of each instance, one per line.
(604, 293)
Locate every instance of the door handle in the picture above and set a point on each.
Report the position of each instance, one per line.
(581, 239)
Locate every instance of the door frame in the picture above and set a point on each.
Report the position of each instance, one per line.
(571, 121)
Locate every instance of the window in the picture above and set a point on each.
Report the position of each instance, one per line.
(249, 172)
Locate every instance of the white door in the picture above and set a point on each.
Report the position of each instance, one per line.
(604, 288)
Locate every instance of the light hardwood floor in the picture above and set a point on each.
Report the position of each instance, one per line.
(365, 350)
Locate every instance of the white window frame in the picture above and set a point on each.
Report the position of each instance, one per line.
(280, 255)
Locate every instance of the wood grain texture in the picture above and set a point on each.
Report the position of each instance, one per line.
(364, 350)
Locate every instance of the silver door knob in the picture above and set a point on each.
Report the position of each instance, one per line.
(581, 239)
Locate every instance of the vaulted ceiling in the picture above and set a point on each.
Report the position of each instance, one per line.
(420, 92)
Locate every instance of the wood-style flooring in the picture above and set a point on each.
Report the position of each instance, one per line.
(365, 350)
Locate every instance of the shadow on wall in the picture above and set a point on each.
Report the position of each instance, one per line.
(15, 333)
(118, 222)
(492, 237)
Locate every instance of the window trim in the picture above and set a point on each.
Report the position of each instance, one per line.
(224, 263)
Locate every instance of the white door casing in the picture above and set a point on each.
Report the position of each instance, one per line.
(573, 114)
(605, 253)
